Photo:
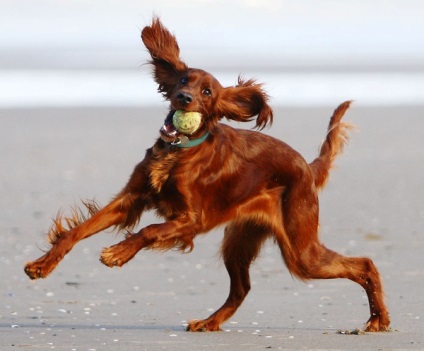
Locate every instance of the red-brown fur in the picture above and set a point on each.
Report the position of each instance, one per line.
(257, 185)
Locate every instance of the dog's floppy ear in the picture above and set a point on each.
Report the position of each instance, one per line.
(165, 53)
(245, 101)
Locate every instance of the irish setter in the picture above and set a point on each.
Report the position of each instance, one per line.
(258, 186)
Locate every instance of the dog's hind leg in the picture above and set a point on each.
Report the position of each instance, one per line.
(318, 262)
(242, 243)
(307, 258)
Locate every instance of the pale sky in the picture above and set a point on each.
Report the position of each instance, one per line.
(271, 29)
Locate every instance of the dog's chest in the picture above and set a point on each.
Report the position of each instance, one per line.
(160, 168)
(168, 181)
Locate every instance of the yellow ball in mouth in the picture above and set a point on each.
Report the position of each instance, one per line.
(186, 122)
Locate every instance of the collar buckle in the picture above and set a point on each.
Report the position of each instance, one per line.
(185, 142)
(180, 141)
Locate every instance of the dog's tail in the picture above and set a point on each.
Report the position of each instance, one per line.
(332, 146)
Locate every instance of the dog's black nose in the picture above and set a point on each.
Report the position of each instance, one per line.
(184, 98)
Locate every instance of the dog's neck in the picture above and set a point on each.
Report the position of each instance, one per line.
(184, 142)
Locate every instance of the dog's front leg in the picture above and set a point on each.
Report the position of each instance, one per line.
(177, 233)
(112, 214)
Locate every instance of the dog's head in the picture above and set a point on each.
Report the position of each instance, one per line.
(198, 92)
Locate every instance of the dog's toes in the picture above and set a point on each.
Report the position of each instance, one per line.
(113, 256)
(30, 272)
(41, 267)
(35, 271)
(377, 324)
(106, 257)
(202, 326)
(119, 254)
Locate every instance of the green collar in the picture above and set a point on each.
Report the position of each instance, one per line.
(185, 142)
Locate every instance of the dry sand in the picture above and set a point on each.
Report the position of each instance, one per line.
(372, 206)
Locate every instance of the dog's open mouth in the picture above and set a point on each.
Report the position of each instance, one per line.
(180, 124)
(168, 131)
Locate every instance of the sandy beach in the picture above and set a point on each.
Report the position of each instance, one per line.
(373, 206)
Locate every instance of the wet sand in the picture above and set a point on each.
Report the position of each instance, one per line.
(372, 206)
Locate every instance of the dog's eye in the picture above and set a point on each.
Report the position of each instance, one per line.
(206, 92)
(184, 80)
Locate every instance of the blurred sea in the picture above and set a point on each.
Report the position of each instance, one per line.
(66, 88)
(321, 52)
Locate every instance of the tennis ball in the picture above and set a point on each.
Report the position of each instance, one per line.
(186, 122)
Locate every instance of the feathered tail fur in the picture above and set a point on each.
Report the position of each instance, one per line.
(332, 146)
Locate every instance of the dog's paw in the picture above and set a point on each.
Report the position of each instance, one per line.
(202, 326)
(40, 268)
(378, 324)
(107, 257)
(117, 255)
